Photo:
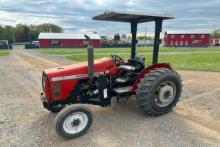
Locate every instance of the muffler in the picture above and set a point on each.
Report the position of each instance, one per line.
(90, 52)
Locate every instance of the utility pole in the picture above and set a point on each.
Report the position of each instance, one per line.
(13, 35)
(145, 36)
(30, 34)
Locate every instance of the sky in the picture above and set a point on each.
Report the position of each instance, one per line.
(76, 15)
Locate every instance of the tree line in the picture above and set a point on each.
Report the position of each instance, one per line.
(26, 33)
(216, 34)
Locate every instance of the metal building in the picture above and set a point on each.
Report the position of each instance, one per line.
(187, 39)
(67, 40)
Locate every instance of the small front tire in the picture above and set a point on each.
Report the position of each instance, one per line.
(73, 121)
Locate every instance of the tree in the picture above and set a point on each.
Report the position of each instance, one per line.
(21, 33)
(216, 34)
(45, 27)
(34, 32)
(48, 27)
(1, 29)
(7, 33)
(26, 33)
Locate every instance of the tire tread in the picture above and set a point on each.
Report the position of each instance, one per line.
(144, 89)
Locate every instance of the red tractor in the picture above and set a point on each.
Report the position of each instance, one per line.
(157, 86)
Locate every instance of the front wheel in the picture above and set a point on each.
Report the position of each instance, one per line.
(73, 121)
(159, 91)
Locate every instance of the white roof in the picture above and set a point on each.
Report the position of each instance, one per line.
(66, 36)
(189, 32)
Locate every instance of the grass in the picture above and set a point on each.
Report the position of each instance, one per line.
(123, 50)
(4, 52)
(204, 59)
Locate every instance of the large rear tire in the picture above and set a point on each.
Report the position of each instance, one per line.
(159, 91)
(73, 121)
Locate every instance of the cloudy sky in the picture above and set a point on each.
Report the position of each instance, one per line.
(75, 15)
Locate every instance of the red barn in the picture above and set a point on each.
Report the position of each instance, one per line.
(187, 39)
(67, 40)
(215, 42)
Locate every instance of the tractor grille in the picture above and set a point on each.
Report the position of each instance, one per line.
(44, 80)
(45, 86)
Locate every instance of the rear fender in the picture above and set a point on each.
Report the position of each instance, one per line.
(147, 70)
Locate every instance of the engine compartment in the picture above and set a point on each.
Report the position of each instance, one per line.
(71, 82)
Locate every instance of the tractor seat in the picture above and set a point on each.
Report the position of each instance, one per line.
(136, 64)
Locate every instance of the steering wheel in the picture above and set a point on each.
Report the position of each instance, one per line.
(117, 59)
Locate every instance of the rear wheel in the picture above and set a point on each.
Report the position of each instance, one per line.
(73, 121)
(159, 91)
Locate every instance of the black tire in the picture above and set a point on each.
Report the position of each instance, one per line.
(147, 91)
(65, 113)
(55, 109)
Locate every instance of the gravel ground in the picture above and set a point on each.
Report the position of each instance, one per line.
(23, 121)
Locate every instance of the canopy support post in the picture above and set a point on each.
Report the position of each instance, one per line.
(157, 40)
(133, 40)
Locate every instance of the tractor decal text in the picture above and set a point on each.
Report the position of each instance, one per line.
(79, 76)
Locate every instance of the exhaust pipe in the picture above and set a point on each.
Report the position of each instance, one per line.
(90, 52)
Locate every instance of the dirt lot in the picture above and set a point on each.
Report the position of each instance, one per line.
(23, 122)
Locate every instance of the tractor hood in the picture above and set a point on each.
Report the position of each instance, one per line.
(100, 65)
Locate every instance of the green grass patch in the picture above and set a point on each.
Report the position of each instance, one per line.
(200, 61)
(204, 62)
(206, 59)
(122, 50)
(4, 52)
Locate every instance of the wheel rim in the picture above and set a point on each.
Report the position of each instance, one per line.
(75, 123)
(166, 93)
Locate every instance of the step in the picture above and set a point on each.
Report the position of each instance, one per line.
(121, 80)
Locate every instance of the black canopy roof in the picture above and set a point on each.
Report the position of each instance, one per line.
(139, 17)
